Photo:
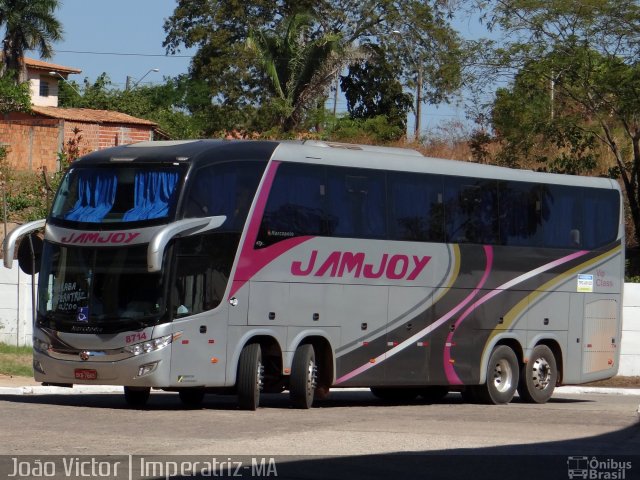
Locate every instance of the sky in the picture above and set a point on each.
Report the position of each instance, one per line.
(124, 38)
(120, 37)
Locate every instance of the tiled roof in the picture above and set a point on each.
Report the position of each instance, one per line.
(90, 115)
(41, 65)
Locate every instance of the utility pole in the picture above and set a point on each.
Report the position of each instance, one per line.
(335, 94)
(416, 131)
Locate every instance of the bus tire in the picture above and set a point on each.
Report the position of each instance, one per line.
(538, 377)
(395, 394)
(191, 397)
(136, 397)
(250, 377)
(503, 372)
(304, 377)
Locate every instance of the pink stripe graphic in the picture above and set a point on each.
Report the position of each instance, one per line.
(414, 338)
(448, 366)
(452, 376)
(251, 261)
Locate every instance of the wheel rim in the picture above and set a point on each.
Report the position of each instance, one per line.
(312, 377)
(541, 373)
(502, 376)
(259, 378)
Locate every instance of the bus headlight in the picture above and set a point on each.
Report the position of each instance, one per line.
(40, 346)
(149, 346)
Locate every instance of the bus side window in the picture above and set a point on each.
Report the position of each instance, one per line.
(520, 214)
(356, 202)
(201, 272)
(415, 207)
(471, 210)
(223, 189)
(296, 204)
(562, 216)
(601, 217)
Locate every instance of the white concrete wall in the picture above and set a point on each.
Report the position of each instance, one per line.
(15, 306)
(16, 317)
(630, 347)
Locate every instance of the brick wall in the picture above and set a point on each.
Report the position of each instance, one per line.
(32, 143)
(97, 137)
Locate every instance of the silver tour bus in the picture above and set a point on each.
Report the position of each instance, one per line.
(249, 267)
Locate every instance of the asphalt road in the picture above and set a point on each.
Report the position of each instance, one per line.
(449, 439)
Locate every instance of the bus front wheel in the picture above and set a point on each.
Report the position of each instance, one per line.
(136, 397)
(250, 377)
(502, 377)
(304, 377)
(538, 377)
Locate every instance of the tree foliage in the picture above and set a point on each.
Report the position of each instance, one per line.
(14, 97)
(299, 65)
(372, 89)
(28, 25)
(590, 52)
(167, 104)
(414, 33)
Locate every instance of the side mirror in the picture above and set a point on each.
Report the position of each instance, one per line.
(12, 239)
(30, 253)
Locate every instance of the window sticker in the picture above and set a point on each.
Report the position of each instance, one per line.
(585, 283)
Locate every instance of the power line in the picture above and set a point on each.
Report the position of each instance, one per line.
(124, 54)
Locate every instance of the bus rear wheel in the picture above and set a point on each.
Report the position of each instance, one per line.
(304, 377)
(136, 397)
(250, 377)
(502, 377)
(538, 377)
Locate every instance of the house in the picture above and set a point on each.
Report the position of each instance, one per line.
(34, 140)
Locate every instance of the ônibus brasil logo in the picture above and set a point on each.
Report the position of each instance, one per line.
(596, 469)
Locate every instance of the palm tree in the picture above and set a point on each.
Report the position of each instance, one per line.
(300, 68)
(28, 25)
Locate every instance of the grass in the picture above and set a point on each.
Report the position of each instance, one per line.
(16, 361)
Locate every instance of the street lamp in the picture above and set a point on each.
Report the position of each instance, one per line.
(128, 85)
(57, 74)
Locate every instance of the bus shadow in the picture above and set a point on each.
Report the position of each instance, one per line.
(164, 401)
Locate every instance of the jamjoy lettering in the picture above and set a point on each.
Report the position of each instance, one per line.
(99, 237)
(342, 264)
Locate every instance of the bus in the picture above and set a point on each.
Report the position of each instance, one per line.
(251, 267)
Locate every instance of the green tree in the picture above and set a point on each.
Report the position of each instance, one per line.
(587, 53)
(524, 119)
(371, 88)
(415, 33)
(300, 68)
(13, 97)
(167, 104)
(28, 25)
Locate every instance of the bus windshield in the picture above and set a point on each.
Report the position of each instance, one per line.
(117, 194)
(107, 288)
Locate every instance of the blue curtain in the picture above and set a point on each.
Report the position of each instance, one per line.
(153, 195)
(96, 194)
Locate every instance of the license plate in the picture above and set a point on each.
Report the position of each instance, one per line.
(85, 374)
